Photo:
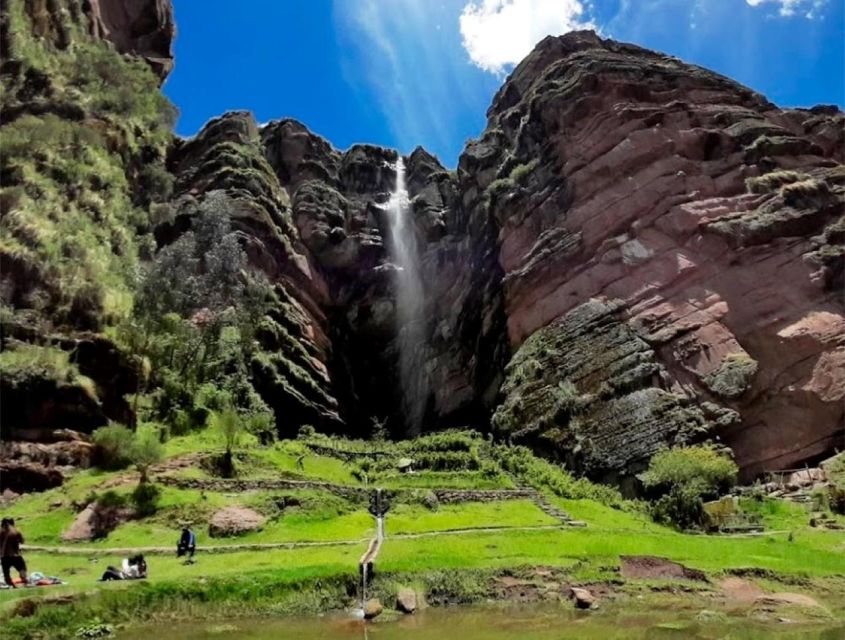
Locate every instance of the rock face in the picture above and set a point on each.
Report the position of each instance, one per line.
(702, 225)
(636, 252)
(144, 28)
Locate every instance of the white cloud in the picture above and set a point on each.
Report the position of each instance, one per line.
(499, 33)
(789, 8)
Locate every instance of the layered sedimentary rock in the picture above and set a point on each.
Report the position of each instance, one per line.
(635, 253)
(291, 373)
(711, 220)
(337, 201)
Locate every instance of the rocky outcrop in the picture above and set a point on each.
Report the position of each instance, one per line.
(144, 28)
(338, 208)
(23, 477)
(234, 521)
(292, 373)
(582, 598)
(710, 221)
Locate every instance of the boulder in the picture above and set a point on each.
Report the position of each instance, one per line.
(583, 598)
(234, 521)
(406, 600)
(372, 609)
(96, 521)
(81, 529)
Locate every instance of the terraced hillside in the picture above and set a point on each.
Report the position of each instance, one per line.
(471, 518)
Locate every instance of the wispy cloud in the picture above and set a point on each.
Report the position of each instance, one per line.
(788, 8)
(500, 33)
(408, 54)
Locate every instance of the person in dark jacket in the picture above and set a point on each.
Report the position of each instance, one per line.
(10, 552)
(187, 544)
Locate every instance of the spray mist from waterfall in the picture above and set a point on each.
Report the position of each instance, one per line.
(409, 303)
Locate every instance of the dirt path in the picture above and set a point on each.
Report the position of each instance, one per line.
(231, 548)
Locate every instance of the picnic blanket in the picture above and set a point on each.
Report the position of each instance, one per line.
(36, 579)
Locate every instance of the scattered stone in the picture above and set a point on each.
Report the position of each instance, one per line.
(583, 598)
(406, 600)
(234, 521)
(430, 500)
(372, 609)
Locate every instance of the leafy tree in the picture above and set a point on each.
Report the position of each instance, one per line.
(196, 310)
(229, 425)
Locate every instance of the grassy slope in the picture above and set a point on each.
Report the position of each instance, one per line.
(245, 579)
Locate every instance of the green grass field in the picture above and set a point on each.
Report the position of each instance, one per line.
(422, 537)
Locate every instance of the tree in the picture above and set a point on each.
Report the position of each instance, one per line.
(196, 310)
(146, 451)
(228, 424)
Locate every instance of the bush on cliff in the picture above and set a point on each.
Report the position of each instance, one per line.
(683, 478)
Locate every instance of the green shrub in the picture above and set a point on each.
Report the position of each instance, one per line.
(229, 426)
(113, 446)
(681, 507)
(703, 467)
(543, 475)
(263, 426)
(306, 432)
(521, 171)
(685, 477)
(499, 187)
(156, 183)
(145, 498)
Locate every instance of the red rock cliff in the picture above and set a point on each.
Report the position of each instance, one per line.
(708, 221)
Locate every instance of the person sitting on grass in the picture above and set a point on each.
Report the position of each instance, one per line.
(10, 552)
(134, 568)
(187, 545)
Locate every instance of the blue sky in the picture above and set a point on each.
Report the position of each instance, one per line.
(405, 72)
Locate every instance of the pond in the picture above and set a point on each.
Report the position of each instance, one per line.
(497, 623)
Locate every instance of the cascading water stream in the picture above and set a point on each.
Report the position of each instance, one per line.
(409, 303)
(378, 508)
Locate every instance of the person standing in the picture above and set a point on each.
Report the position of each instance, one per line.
(10, 551)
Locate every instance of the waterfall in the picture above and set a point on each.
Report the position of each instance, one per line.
(409, 304)
(379, 517)
(363, 587)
